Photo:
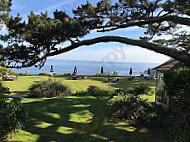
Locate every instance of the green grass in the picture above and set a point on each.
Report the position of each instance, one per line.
(78, 119)
(82, 85)
(21, 85)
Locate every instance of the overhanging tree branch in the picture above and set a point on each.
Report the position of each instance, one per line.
(174, 19)
(172, 52)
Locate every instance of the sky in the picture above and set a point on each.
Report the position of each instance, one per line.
(112, 51)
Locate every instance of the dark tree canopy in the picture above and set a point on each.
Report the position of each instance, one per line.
(5, 5)
(39, 37)
(29, 43)
(4, 8)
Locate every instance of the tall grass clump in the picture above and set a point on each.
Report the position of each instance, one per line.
(12, 116)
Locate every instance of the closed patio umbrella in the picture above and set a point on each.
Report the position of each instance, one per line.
(102, 70)
(51, 70)
(130, 71)
(75, 70)
(148, 71)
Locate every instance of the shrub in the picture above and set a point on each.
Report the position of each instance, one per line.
(107, 74)
(46, 74)
(12, 116)
(180, 129)
(15, 73)
(116, 74)
(2, 91)
(141, 89)
(156, 116)
(120, 92)
(185, 135)
(96, 91)
(67, 74)
(133, 108)
(49, 89)
(57, 74)
(22, 74)
(81, 93)
(91, 89)
(177, 84)
(4, 70)
(127, 107)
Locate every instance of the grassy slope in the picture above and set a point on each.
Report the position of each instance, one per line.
(78, 119)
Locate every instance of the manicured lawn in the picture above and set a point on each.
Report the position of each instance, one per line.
(21, 85)
(78, 119)
(82, 85)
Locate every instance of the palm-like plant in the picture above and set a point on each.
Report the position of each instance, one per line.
(12, 114)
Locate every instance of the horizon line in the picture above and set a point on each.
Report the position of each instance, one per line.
(104, 61)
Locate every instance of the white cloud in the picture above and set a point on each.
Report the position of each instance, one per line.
(16, 7)
(53, 7)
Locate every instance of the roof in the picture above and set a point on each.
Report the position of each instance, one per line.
(171, 64)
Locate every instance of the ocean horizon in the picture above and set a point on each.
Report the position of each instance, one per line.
(85, 67)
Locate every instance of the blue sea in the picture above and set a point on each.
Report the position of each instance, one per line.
(89, 67)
